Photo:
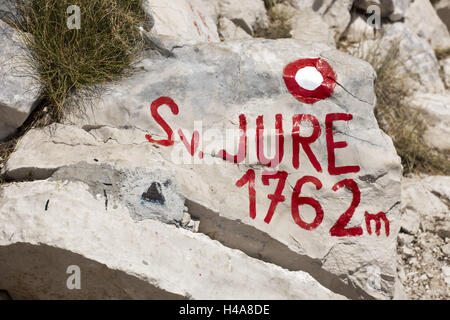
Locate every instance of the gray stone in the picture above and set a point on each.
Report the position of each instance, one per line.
(418, 58)
(4, 295)
(410, 221)
(408, 252)
(405, 239)
(229, 31)
(249, 15)
(214, 84)
(445, 67)
(184, 21)
(132, 188)
(308, 25)
(19, 89)
(335, 13)
(359, 30)
(429, 198)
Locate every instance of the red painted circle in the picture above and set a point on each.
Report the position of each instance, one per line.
(325, 90)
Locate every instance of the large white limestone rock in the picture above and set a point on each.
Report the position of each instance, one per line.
(215, 87)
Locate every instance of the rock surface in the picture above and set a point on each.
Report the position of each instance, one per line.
(443, 10)
(185, 21)
(18, 89)
(424, 21)
(445, 71)
(359, 30)
(249, 14)
(214, 84)
(51, 225)
(393, 9)
(436, 112)
(7, 9)
(418, 57)
(335, 13)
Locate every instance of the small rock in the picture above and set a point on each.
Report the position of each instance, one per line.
(446, 273)
(249, 15)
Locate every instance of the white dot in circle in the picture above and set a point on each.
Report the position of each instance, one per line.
(309, 78)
